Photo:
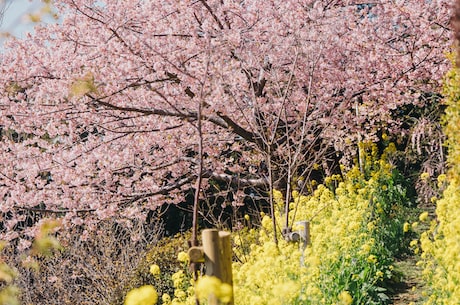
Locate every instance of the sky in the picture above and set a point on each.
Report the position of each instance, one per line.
(15, 19)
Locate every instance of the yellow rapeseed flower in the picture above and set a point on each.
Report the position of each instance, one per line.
(277, 196)
(145, 295)
(183, 257)
(406, 227)
(365, 248)
(442, 178)
(384, 136)
(266, 222)
(424, 176)
(345, 298)
(166, 298)
(372, 259)
(206, 286)
(155, 270)
(180, 294)
(211, 286)
(286, 290)
(423, 216)
(295, 194)
(178, 278)
(371, 225)
(226, 292)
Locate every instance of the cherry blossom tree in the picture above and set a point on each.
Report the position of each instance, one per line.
(456, 25)
(102, 114)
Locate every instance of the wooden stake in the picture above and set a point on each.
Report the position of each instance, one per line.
(227, 276)
(217, 252)
(211, 249)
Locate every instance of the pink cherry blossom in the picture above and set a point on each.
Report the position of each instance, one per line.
(98, 112)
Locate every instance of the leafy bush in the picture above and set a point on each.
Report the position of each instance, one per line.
(165, 256)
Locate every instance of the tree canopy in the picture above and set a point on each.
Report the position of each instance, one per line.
(99, 113)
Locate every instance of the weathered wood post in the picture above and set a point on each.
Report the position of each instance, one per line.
(226, 246)
(304, 233)
(212, 252)
(216, 253)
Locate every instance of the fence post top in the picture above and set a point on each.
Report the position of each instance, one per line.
(209, 230)
(224, 234)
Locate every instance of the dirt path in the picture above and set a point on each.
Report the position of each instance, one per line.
(411, 286)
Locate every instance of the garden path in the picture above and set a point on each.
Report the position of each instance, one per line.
(409, 289)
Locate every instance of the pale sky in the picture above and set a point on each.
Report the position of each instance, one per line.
(15, 19)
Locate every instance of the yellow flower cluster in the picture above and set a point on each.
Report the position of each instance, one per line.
(145, 295)
(155, 270)
(340, 263)
(183, 257)
(208, 287)
(285, 274)
(424, 176)
(440, 245)
(345, 298)
(265, 277)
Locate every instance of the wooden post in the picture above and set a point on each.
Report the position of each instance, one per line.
(217, 254)
(227, 276)
(196, 254)
(307, 232)
(212, 249)
(305, 238)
